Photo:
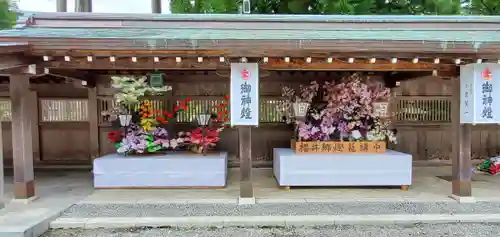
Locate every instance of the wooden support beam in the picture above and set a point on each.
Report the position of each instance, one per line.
(461, 148)
(358, 65)
(17, 61)
(211, 63)
(72, 74)
(22, 141)
(390, 78)
(13, 48)
(62, 5)
(245, 144)
(156, 6)
(142, 63)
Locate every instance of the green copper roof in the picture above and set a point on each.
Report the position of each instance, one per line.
(229, 34)
(425, 32)
(270, 18)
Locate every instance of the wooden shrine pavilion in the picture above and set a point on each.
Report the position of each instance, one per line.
(56, 67)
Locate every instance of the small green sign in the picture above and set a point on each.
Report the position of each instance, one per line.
(156, 79)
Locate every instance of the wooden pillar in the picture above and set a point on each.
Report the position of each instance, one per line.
(421, 133)
(461, 148)
(156, 6)
(83, 5)
(93, 122)
(2, 178)
(35, 128)
(62, 5)
(22, 142)
(79, 5)
(89, 6)
(245, 145)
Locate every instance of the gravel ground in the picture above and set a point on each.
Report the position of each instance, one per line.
(448, 230)
(281, 209)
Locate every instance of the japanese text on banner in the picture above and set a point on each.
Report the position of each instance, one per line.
(244, 94)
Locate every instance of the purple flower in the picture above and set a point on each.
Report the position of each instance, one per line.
(159, 133)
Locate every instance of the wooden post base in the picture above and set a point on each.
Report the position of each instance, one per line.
(24, 190)
(405, 187)
(285, 188)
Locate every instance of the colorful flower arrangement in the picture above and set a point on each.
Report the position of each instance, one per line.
(163, 117)
(223, 111)
(204, 138)
(348, 115)
(147, 135)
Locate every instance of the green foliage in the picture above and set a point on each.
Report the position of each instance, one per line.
(204, 6)
(7, 17)
(343, 7)
(483, 7)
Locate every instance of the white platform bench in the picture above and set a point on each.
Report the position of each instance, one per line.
(184, 170)
(391, 168)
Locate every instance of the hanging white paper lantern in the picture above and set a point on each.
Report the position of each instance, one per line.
(300, 109)
(125, 119)
(381, 109)
(203, 119)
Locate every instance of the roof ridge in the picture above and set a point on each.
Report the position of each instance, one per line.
(89, 16)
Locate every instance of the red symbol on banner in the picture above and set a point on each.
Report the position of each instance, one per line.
(245, 74)
(486, 74)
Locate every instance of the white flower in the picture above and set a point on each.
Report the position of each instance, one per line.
(122, 149)
(316, 116)
(370, 136)
(314, 130)
(356, 134)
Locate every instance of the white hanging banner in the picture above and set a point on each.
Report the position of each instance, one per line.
(244, 94)
(479, 93)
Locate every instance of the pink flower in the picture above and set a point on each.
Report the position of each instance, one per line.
(173, 143)
(165, 143)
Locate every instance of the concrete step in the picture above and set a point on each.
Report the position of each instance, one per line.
(274, 214)
(86, 210)
(268, 221)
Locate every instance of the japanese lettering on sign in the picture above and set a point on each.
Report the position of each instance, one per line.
(319, 147)
(487, 89)
(478, 102)
(244, 94)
